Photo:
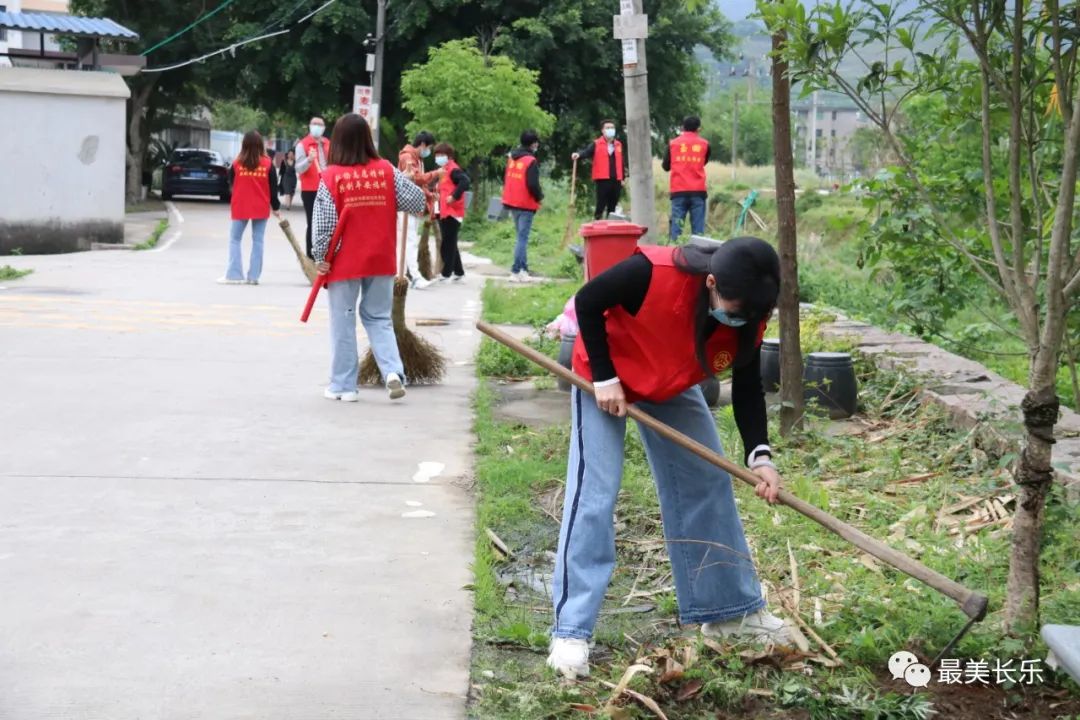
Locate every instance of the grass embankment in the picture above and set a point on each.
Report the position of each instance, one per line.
(155, 236)
(10, 273)
(924, 502)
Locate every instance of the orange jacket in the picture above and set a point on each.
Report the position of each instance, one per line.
(410, 163)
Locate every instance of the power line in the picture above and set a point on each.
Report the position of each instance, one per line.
(197, 21)
(232, 47)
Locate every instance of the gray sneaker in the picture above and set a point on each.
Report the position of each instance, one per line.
(395, 387)
(761, 626)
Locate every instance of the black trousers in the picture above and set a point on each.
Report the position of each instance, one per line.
(607, 197)
(451, 258)
(308, 198)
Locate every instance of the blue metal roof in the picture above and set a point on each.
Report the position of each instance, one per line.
(66, 25)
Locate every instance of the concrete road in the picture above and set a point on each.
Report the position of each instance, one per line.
(188, 529)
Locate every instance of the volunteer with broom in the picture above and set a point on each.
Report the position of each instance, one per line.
(411, 162)
(651, 328)
(369, 191)
(608, 169)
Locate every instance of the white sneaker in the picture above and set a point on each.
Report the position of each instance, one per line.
(421, 284)
(457, 278)
(252, 282)
(229, 281)
(395, 387)
(761, 626)
(515, 277)
(348, 396)
(569, 657)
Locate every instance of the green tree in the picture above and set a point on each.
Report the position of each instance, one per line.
(1008, 215)
(479, 103)
(755, 139)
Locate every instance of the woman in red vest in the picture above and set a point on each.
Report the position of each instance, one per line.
(651, 328)
(364, 192)
(452, 186)
(608, 168)
(254, 194)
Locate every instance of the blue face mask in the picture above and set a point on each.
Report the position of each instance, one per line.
(721, 316)
(441, 160)
(425, 152)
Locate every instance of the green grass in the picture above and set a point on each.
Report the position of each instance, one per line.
(9, 273)
(546, 253)
(535, 305)
(868, 611)
(151, 241)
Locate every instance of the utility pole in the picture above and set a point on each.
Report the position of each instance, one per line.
(734, 134)
(632, 27)
(376, 90)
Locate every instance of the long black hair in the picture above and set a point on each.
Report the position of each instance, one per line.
(746, 269)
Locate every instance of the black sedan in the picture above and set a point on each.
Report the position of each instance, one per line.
(195, 172)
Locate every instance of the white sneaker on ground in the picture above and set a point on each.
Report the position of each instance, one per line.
(229, 281)
(439, 279)
(761, 626)
(515, 277)
(421, 284)
(347, 396)
(457, 278)
(252, 282)
(394, 386)
(569, 657)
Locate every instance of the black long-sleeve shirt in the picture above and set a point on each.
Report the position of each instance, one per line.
(461, 183)
(626, 284)
(272, 178)
(587, 153)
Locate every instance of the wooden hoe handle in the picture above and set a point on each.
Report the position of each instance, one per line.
(972, 603)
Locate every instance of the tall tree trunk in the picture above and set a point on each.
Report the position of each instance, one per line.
(791, 387)
(1034, 472)
(136, 137)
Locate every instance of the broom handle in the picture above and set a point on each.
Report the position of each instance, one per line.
(322, 280)
(401, 250)
(570, 208)
(973, 604)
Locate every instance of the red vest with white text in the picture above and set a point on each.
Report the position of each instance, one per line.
(366, 202)
(688, 163)
(447, 206)
(515, 190)
(654, 352)
(251, 191)
(601, 164)
(309, 179)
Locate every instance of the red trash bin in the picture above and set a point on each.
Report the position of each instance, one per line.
(608, 242)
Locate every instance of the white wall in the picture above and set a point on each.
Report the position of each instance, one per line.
(64, 157)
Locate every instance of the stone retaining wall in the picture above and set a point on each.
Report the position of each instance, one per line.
(976, 398)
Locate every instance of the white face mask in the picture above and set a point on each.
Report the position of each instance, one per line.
(316, 130)
(441, 160)
(609, 133)
(425, 152)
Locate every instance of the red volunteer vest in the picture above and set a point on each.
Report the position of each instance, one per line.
(515, 192)
(688, 163)
(654, 352)
(448, 207)
(309, 179)
(251, 191)
(366, 201)
(601, 165)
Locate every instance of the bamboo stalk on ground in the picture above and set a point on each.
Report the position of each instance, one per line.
(423, 362)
